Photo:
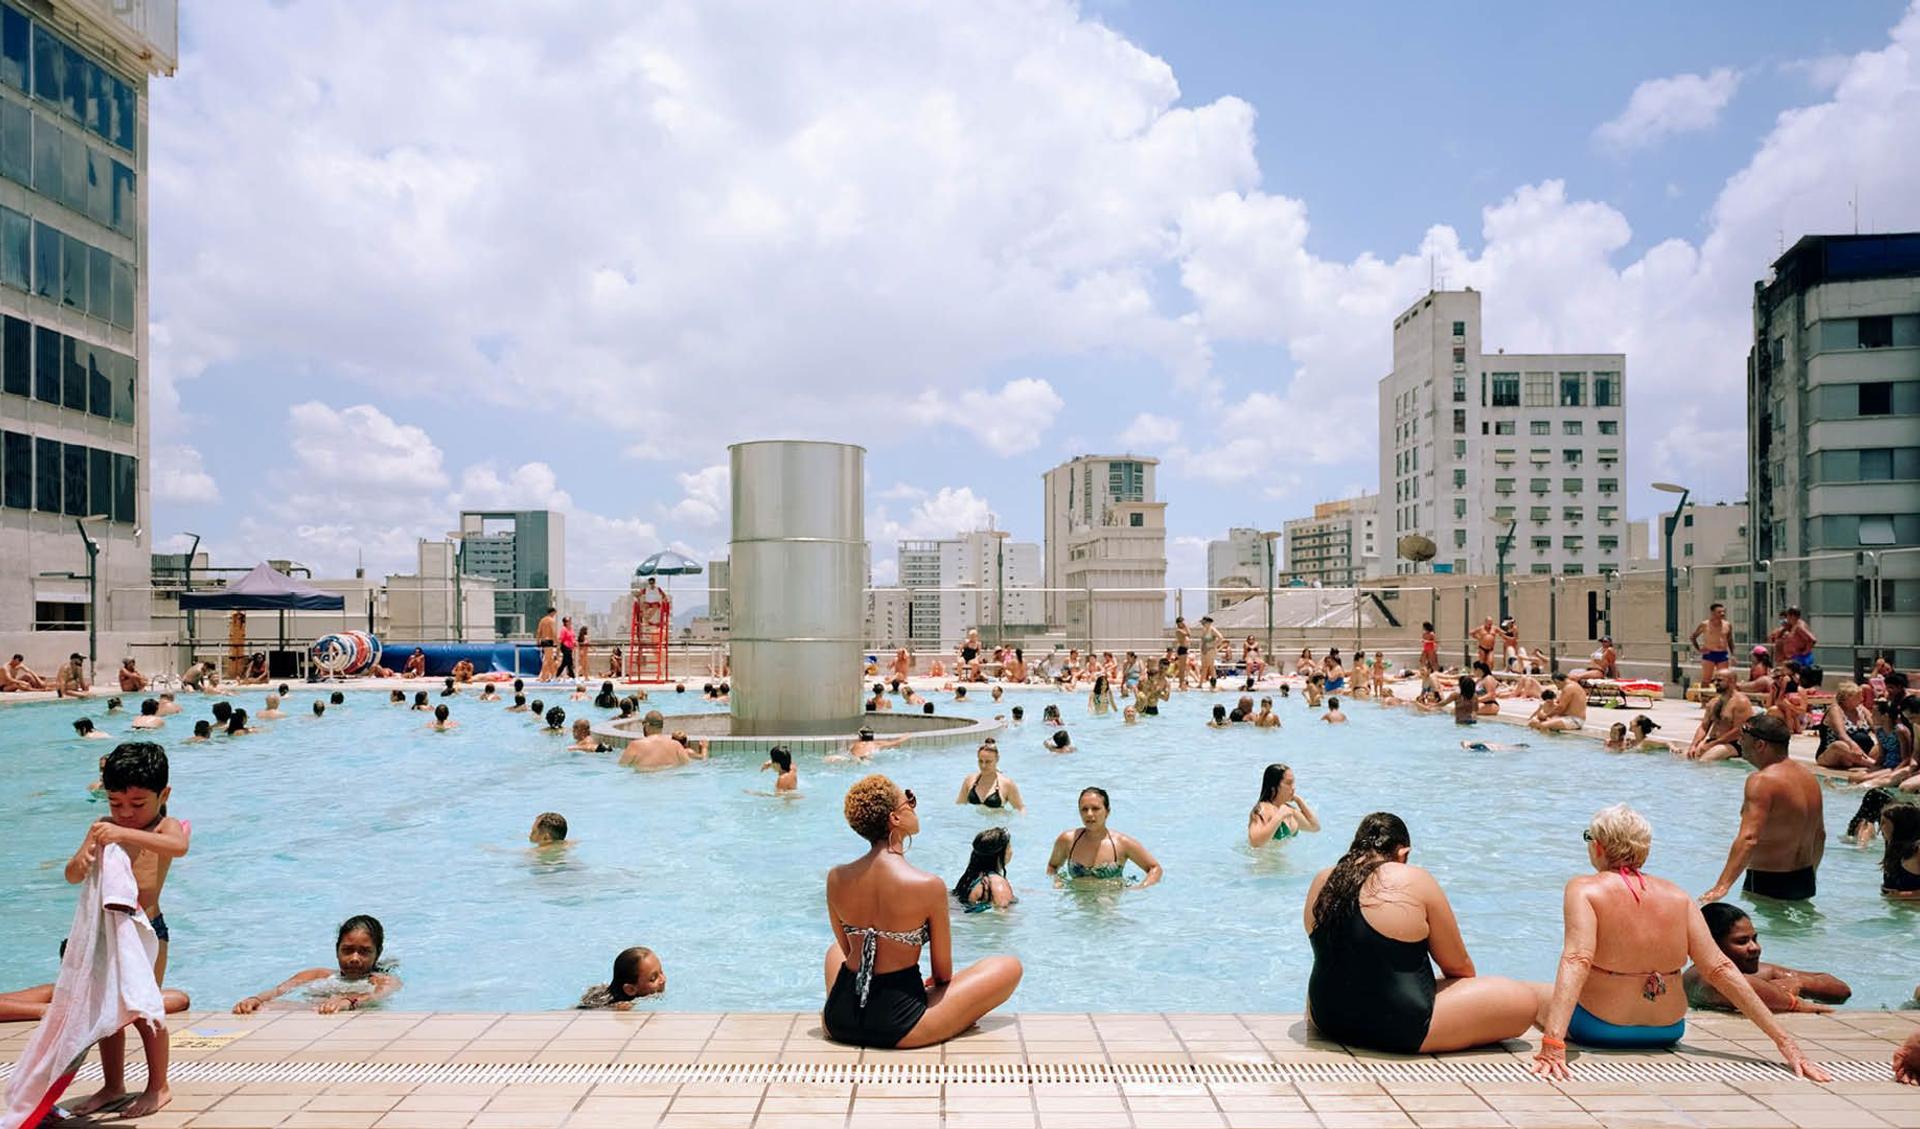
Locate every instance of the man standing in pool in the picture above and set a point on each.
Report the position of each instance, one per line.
(1782, 832)
(1714, 640)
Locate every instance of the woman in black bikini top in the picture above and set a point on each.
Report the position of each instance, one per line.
(989, 787)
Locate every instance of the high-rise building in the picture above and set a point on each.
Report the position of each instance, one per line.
(1238, 567)
(951, 588)
(1833, 429)
(74, 417)
(1472, 444)
(1104, 529)
(1338, 546)
(524, 552)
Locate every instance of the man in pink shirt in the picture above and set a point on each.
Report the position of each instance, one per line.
(567, 641)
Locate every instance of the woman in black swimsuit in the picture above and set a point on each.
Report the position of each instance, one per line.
(990, 788)
(1377, 927)
(884, 911)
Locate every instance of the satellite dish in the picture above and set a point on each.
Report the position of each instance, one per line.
(1413, 547)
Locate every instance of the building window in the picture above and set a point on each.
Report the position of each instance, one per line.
(1506, 389)
(1459, 329)
(1503, 427)
(1876, 399)
(1606, 389)
(1459, 355)
(1572, 544)
(16, 464)
(1540, 485)
(1687, 549)
(1459, 389)
(1609, 427)
(1459, 448)
(1136, 521)
(1572, 427)
(1572, 514)
(1459, 538)
(1543, 544)
(58, 615)
(1570, 456)
(1573, 389)
(46, 475)
(1570, 485)
(1539, 390)
(1573, 570)
(1876, 332)
(1503, 485)
(1541, 570)
(1609, 544)
(1540, 514)
(1607, 485)
(1459, 508)
(1459, 421)
(1540, 427)
(1459, 477)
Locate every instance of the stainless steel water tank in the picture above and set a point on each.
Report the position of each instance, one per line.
(797, 587)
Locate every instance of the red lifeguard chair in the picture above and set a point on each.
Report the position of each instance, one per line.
(649, 633)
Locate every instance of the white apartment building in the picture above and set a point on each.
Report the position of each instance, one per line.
(1711, 546)
(1243, 561)
(1472, 444)
(1338, 546)
(951, 587)
(1104, 529)
(1081, 494)
(888, 618)
(76, 524)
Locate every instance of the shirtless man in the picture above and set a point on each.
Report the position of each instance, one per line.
(864, 748)
(546, 636)
(1718, 737)
(71, 681)
(131, 680)
(1569, 712)
(1484, 640)
(1714, 640)
(1210, 639)
(1509, 636)
(902, 665)
(20, 676)
(416, 664)
(1182, 641)
(1782, 833)
(1792, 641)
(1780, 988)
(655, 749)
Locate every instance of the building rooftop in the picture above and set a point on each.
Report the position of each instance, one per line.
(1838, 258)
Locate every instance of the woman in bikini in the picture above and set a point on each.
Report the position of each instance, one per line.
(989, 788)
(1628, 937)
(1094, 852)
(884, 911)
(983, 885)
(1280, 813)
(1846, 731)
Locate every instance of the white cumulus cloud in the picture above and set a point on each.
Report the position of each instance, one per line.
(1008, 422)
(1660, 108)
(180, 476)
(707, 496)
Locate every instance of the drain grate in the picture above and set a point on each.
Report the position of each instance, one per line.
(1675, 1069)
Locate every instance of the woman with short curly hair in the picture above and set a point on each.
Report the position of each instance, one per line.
(884, 911)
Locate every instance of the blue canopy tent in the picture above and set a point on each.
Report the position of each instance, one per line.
(265, 589)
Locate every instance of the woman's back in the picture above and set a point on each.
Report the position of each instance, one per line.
(1639, 946)
(885, 893)
(1372, 980)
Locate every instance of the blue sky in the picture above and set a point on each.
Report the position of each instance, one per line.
(414, 257)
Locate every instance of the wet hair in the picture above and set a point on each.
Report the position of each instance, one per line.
(1060, 739)
(556, 717)
(319, 707)
(581, 728)
(870, 805)
(1333, 703)
(519, 699)
(113, 704)
(337, 698)
(283, 689)
(1871, 805)
(536, 707)
(1270, 782)
(398, 697)
(725, 689)
(1483, 668)
(626, 970)
(1379, 835)
(1896, 678)
(959, 692)
(238, 722)
(553, 823)
(1099, 685)
(988, 857)
(222, 711)
(448, 692)
(150, 707)
(1644, 725)
(1467, 686)
(1905, 821)
(1426, 625)
(1721, 918)
(879, 688)
(926, 707)
(82, 725)
(135, 764)
(440, 712)
(1105, 800)
(782, 757)
(1050, 711)
(1019, 712)
(203, 728)
(420, 698)
(1219, 713)
(368, 924)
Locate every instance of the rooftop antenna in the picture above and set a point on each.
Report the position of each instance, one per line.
(1432, 267)
(1854, 202)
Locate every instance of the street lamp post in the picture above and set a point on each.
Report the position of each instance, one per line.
(458, 537)
(1502, 545)
(1267, 538)
(93, 601)
(1673, 593)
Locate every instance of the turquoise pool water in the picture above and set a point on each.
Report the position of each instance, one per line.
(365, 811)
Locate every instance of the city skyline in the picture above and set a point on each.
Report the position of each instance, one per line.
(1229, 290)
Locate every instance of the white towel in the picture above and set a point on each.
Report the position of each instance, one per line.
(106, 982)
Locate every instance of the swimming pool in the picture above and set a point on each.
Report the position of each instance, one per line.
(365, 811)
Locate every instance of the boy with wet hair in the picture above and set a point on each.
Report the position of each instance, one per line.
(549, 829)
(135, 778)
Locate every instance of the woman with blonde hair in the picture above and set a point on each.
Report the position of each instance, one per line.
(884, 911)
(1628, 937)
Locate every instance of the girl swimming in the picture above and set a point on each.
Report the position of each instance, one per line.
(636, 973)
(1280, 813)
(361, 979)
(785, 779)
(984, 885)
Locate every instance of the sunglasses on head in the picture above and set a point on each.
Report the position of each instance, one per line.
(1587, 834)
(908, 799)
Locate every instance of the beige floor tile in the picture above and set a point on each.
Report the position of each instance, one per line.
(424, 1119)
(239, 1119)
(1458, 1119)
(330, 1119)
(792, 1121)
(1271, 1118)
(1101, 1119)
(449, 1103)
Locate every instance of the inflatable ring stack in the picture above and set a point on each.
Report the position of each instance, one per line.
(345, 653)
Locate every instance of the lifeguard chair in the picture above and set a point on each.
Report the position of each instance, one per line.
(649, 633)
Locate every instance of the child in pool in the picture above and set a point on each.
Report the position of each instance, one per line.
(637, 972)
(549, 830)
(361, 978)
(202, 731)
(785, 779)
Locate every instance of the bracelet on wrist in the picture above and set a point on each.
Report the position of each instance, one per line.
(1548, 1042)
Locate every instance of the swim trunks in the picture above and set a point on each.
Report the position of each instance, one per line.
(1714, 656)
(159, 923)
(1787, 885)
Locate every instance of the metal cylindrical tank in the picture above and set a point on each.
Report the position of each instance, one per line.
(797, 581)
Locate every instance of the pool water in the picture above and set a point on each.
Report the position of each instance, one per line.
(366, 811)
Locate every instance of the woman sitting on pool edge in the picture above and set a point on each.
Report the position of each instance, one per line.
(983, 885)
(884, 911)
(1000, 790)
(360, 980)
(1109, 853)
(1378, 926)
(1637, 932)
(1280, 813)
